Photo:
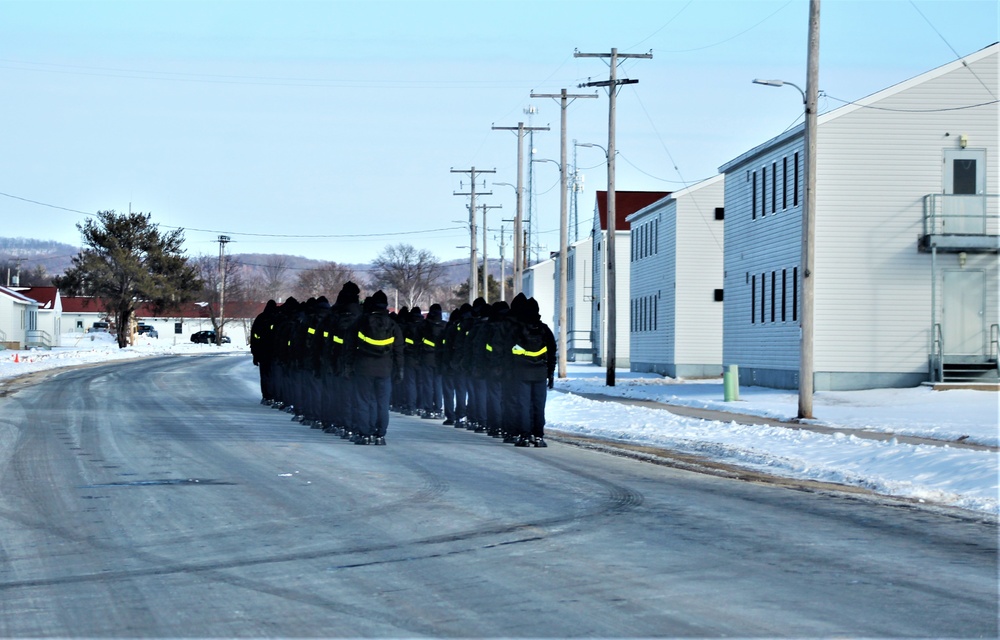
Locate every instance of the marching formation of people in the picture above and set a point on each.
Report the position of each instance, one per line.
(343, 367)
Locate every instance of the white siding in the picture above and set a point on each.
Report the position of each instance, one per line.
(539, 283)
(622, 248)
(874, 167)
(676, 265)
(652, 287)
(699, 247)
(578, 303)
(875, 162)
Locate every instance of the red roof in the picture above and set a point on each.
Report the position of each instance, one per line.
(44, 296)
(81, 304)
(234, 309)
(626, 203)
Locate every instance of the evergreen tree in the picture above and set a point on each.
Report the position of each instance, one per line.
(125, 262)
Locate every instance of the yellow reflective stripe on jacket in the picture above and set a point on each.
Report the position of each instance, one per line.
(428, 343)
(409, 341)
(489, 347)
(518, 350)
(338, 339)
(311, 330)
(377, 343)
(326, 334)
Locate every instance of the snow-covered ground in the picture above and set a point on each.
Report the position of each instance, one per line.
(942, 475)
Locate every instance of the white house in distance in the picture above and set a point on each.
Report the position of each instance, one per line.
(538, 282)
(676, 292)
(626, 203)
(18, 317)
(906, 236)
(48, 325)
(580, 286)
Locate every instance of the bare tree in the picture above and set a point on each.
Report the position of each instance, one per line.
(275, 272)
(325, 280)
(407, 270)
(208, 270)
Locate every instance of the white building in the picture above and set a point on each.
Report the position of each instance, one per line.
(906, 236)
(18, 319)
(48, 323)
(580, 293)
(676, 283)
(538, 282)
(626, 203)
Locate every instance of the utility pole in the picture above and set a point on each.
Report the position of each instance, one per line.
(503, 266)
(612, 85)
(574, 216)
(564, 101)
(518, 216)
(473, 288)
(17, 273)
(222, 287)
(809, 217)
(486, 268)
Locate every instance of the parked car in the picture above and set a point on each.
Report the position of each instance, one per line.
(99, 327)
(147, 330)
(207, 337)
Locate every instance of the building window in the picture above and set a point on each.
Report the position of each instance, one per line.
(774, 187)
(763, 298)
(784, 284)
(763, 191)
(753, 299)
(795, 294)
(774, 278)
(784, 183)
(795, 189)
(753, 196)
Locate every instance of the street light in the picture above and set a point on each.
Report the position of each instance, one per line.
(591, 144)
(806, 364)
(780, 83)
(608, 290)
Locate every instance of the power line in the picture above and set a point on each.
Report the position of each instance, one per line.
(254, 235)
(937, 110)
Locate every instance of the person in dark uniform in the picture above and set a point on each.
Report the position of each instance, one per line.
(453, 383)
(411, 324)
(431, 336)
(375, 354)
(339, 396)
(534, 363)
(262, 349)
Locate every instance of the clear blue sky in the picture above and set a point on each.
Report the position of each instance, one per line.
(286, 123)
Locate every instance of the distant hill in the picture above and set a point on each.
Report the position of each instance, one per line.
(55, 257)
(39, 259)
(455, 271)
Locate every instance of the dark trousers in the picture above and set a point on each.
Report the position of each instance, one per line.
(494, 404)
(372, 397)
(410, 386)
(265, 380)
(456, 393)
(530, 407)
(430, 390)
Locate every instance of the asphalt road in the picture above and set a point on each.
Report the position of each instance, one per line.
(157, 498)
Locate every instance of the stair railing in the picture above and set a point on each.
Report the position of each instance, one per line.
(995, 345)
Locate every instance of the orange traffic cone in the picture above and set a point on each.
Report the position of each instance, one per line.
(16, 359)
